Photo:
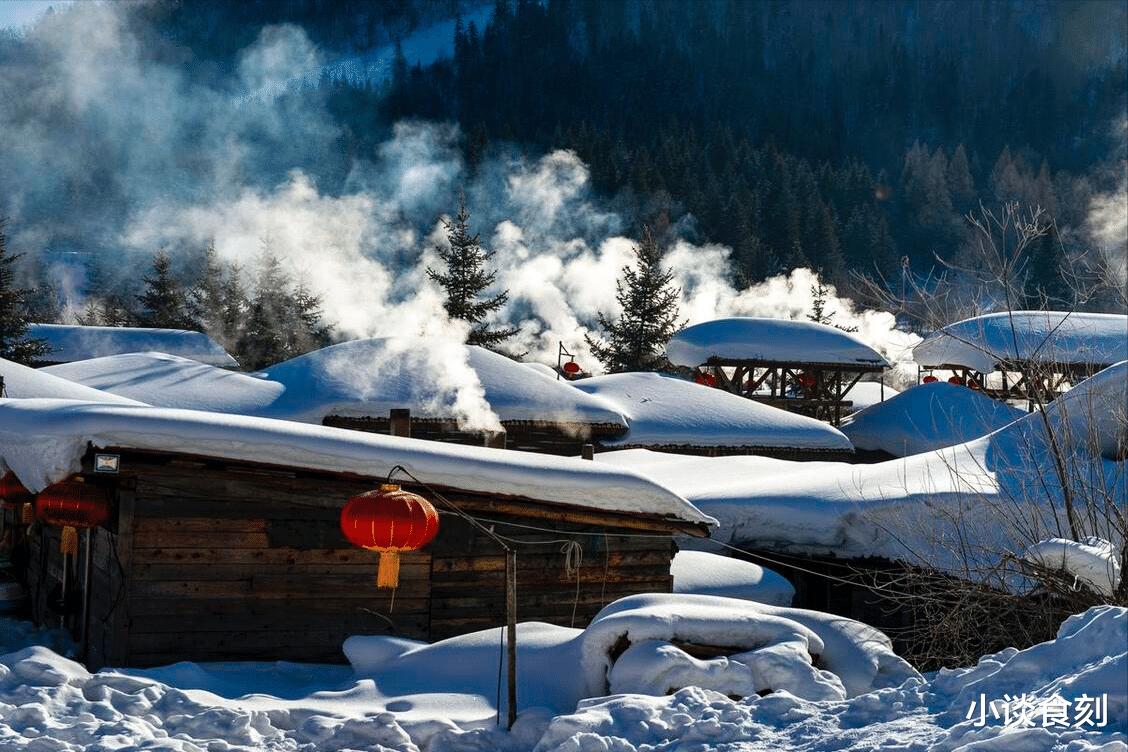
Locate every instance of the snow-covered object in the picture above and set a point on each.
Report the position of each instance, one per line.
(21, 382)
(927, 417)
(856, 658)
(70, 343)
(982, 342)
(1093, 561)
(165, 380)
(434, 378)
(963, 505)
(408, 696)
(665, 411)
(770, 340)
(43, 442)
(704, 573)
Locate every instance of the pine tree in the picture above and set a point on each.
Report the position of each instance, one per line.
(15, 345)
(819, 295)
(165, 302)
(466, 278)
(649, 302)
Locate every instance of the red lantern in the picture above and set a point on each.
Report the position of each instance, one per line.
(13, 493)
(388, 521)
(807, 380)
(957, 380)
(571, 368)
(73, 504)
(706, 379)
(930, 379)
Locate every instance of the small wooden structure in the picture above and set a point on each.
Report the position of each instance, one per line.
(211, 558)
(800, 366)
(1029, 357)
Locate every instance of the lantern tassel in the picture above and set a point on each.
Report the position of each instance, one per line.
(27, 514)
(387, 575)
(68, 541)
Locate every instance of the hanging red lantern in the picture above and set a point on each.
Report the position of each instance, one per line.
(807, 380)
(73, 504)
(571, 368)
(973, 385)
(957, 380)
(13, 493)
(706, 379)
(388, 521)
(930, 379)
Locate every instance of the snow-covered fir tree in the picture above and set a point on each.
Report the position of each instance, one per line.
(466, 278)
(636, 341)
(165, 302)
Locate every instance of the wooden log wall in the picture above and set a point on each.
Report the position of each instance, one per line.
(210, 561)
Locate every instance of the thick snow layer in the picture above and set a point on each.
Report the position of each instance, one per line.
(43, 441)
(664, 411)
(967, 503)
(927, 417)
(409, 696)
(21, 382)
(434, 378)
(1043, 336)
(704, 573)
(70, 343)
(1094, 561)
(773, 340)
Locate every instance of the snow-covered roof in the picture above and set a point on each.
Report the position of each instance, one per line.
(980, 343)
(912, 509)
(70, 343)
(665, 411)
(771, 341)
(21, 382)
(434, 378)
(44, 440)
(927, 417)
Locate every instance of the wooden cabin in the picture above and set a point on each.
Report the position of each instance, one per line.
(798, 366)
(225, 543)
(1024, 357)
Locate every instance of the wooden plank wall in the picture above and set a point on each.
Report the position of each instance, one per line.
(227, 565)
(468, 574)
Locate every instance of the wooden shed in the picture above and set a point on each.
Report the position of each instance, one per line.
(799, 366)
(224, 541)
(1029, 357)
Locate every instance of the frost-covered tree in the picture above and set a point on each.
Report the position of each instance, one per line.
(15, 344)
(466, 278)
(636, 341)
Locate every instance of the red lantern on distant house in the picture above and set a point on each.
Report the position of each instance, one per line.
(705, 379)
(930, 379)
(571, 368)
(957, 380)
(13, 493)
(388, 521)
(73, 504)
(807, 380)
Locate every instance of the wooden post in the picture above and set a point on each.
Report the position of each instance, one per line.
(511, 627)
(400, 422)
(587, 451)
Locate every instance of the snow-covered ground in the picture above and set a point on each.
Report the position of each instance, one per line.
(1066, 695)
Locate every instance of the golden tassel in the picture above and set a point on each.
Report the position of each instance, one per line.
(387, 575)
(68, 541)
(27, 514)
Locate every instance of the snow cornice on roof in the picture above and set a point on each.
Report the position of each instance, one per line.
(44, 440)
(70, 343)
(763, 341)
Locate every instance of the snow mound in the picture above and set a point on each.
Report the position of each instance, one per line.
(21, 382)
(982, 342)
(772, 340)
(703, 573)
(927, 417)
(1093, 561)
(665, 411)
(434, 378)
(869, 393)
(164, 380)
(71, 343)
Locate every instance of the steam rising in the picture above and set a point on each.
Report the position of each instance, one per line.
(108, 151)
